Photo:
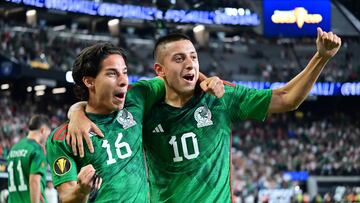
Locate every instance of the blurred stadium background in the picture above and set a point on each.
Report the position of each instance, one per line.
(309, 155)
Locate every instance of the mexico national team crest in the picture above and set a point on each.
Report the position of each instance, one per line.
(203, 116)
(61, 166)
(126, 119)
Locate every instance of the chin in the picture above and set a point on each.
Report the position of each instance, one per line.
(119, 107)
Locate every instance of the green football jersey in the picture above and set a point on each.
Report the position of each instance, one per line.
(26, 157)
(188, 149)
(118, 157)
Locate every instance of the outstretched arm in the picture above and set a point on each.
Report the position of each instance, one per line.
(290, 96)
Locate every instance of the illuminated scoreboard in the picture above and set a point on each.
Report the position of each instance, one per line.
(221, 16)
(295, 18)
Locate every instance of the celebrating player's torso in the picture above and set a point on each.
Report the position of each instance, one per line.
(118, 158)
(188, 148)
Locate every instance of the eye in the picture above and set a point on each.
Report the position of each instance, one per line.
(178, 59)
(111, 73)
(194, 57)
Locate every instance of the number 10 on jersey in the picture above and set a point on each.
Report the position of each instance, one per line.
(174, 143)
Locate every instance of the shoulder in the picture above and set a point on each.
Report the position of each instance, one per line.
(59, 133)
(149, 82)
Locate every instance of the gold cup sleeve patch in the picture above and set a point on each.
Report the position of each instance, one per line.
(62, 165)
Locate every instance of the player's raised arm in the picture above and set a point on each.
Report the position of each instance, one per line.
(290, 96)
(79, 127)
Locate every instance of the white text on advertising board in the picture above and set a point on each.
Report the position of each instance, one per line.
(299, 16)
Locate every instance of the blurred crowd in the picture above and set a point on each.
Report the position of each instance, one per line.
(297, 141)
(238, 58)
(14, 119)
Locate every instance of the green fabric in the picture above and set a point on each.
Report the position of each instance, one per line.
(26, 157)
(188, 149)
(118, 158)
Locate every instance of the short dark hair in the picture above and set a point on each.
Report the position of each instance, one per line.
(87, 63)
(38, 120)
(167, 39)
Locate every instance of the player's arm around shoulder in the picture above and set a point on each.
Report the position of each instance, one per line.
(78, 129)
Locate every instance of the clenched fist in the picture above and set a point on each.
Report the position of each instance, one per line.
(327, 43)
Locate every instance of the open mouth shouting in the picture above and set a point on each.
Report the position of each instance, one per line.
(120, 96)
(189, 77)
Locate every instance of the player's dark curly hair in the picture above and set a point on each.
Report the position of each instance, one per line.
(87, 63)
(38, 120)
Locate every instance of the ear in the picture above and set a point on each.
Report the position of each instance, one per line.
(89, 82)
(42, 129)
(159, 69)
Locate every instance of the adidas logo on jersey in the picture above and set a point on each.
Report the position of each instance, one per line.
(158, 129)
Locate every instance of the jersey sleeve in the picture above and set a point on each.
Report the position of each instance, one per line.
(247, 103)
(146, 93)
(59, 155)
(38, 162)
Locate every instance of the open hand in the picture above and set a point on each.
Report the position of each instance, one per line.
(79, 128)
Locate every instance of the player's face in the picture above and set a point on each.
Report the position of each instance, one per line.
(181, 66)
(110, 85)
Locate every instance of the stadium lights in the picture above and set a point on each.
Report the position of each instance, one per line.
(113, 26)
(5, 86)
(59, 90)
(30, 13)
(40, 93)
(29, 89)
(198, 28)
(68, 77)
(31, 17)
(113, 22)
(59, 27)
(39, 87)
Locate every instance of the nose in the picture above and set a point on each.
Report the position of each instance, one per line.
(189, 63)
(122, 80)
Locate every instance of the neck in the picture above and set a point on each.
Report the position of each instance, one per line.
(93, 107)
(35, 136)
(176, 99)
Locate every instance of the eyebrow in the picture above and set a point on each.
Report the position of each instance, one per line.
(182, 53)
(114, 69)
